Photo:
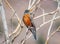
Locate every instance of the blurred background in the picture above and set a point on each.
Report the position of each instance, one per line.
(20, 6)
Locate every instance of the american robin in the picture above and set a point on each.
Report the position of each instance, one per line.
(28, 21)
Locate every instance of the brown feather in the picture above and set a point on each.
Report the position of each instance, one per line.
(26, 19)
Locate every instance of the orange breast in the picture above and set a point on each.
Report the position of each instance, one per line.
(26, 19)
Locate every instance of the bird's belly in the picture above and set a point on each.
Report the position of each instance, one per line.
(27, 20)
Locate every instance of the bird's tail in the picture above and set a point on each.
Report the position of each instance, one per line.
(33, 30)
(34, 34)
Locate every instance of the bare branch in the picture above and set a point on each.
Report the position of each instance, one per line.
(50, 13)
(53, 33)
(17, 31)
(29, 6)
(5, 25)
(34, 7)
(50, 26)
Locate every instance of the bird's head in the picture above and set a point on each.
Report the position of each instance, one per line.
(26, 11)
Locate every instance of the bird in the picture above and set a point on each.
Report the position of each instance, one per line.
(28, 21)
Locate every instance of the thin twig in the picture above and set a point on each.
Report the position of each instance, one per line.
(33, 3)
(14, 35)
(50, 29)
(34, 7)
(29, 6)
(53, 33)
(50, 26)
(43, 14)
(17, 31)
(50, 13)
